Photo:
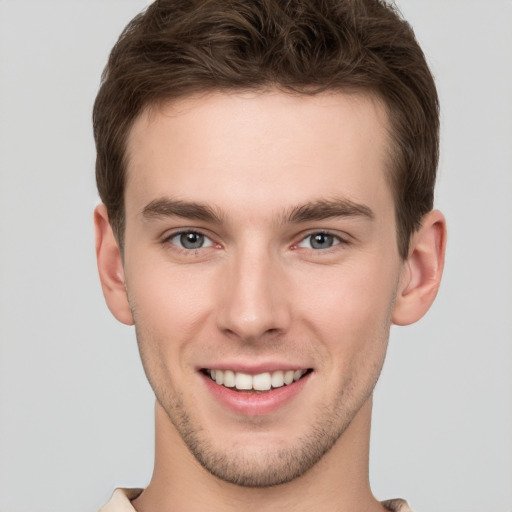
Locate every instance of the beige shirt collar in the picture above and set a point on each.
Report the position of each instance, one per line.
(121, 502)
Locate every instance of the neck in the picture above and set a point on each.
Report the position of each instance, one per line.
(339, 481)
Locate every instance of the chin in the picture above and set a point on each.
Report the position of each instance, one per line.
(267, 461)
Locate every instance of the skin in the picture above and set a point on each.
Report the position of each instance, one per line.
(239, 169)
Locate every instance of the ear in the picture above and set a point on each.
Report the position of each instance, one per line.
(422, 271)
(110, 267)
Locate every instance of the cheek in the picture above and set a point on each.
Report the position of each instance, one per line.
(169, 304)
(351, 310)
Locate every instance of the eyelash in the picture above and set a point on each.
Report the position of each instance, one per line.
(337, 241)
(168, 240)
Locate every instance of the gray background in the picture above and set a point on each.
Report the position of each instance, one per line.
(75, 409)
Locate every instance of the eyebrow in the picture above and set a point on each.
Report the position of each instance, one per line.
(327, 209)
(164, 207)
(310, 211)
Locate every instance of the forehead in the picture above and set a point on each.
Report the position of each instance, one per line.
(259, 149)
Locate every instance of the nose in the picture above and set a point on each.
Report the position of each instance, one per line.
(253, 300)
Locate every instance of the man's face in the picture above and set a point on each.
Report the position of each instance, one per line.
(261, 247)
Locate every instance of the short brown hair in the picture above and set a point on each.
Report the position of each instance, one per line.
(177, 48)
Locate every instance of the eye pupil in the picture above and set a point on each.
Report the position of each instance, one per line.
(321, 241)
(191, 240)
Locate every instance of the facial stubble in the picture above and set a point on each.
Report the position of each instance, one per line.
(278, 465)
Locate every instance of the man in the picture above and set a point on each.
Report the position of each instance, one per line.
(267, 171)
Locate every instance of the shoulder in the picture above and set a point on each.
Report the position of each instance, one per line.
(397, 505)
(120, 501)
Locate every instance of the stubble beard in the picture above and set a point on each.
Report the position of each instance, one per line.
(275, 467)
(278, 465)
(238, 466)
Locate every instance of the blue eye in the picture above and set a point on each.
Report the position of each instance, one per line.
(320, 241)
(191, 240)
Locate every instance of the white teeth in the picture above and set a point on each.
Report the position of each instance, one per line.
(288, 377)
(298, 374)
(229, 379)
(243, 381)
(260, 382)
(277, 379)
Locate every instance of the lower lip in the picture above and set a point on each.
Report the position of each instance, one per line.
(255, 404)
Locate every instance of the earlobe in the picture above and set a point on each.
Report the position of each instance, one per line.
(110, 267)
(422, 271)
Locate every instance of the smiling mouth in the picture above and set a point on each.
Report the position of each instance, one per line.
(255, 383)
